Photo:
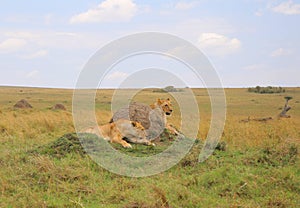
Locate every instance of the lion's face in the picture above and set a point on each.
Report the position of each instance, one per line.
(166, 106)
(140, 130)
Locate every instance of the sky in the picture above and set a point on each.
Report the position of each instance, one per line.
(249, 42)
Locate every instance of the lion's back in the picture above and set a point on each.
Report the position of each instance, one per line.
(135, 112)
(152, 120)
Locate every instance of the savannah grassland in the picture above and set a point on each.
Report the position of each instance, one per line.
(260, 166)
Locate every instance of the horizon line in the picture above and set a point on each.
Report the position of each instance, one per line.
(114, 88)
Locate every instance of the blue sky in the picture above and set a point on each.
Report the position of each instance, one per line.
(249, 42)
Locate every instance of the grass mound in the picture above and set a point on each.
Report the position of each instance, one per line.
(72, 144)
(22, 104)
(59, 106)
(68, 143)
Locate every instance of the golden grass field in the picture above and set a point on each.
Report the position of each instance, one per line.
(237, 177)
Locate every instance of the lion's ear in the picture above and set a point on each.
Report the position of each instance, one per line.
(133, 123)
(112, 125)
(158, 101)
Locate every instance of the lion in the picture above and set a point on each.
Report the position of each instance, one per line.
(121, 132)
(167, 108)
(153, 117)
(165, 105)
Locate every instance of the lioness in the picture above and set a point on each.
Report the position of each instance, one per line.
(120, 132)
(153, 117)
(165, 105)
(167, 108)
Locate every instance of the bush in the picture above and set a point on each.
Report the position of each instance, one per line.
(168, 89)
(266, 90)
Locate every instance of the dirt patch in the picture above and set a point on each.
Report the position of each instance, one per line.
(22, 104)
(256, 119)
(59, 106)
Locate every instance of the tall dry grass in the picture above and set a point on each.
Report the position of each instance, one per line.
(258, 168)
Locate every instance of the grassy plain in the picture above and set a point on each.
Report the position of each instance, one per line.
(259, 168)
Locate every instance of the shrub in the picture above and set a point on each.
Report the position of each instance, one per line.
(266, 90)
(168, 89)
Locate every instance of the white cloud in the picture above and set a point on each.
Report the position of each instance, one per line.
(12, 45)
(108, 11)
(185, 5)
(32, 74)
(177, 51)
(190, 28)
(280, 52)
(37, 54)
(183, 52)
(40, 39)
(217, 44)
(255, 67)
(288, 8)
(48, 19)
(22, 35)
(258, 13)
(117, 75)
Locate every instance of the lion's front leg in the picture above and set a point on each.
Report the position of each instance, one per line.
(172, 129)
(119, 140)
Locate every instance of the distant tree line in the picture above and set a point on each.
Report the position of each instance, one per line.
(266, 90)
(168, 89)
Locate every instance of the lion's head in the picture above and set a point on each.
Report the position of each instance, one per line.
(141, 133)
(140, 130)
(166, 105)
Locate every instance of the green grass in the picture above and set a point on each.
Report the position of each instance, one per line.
(259, 167)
